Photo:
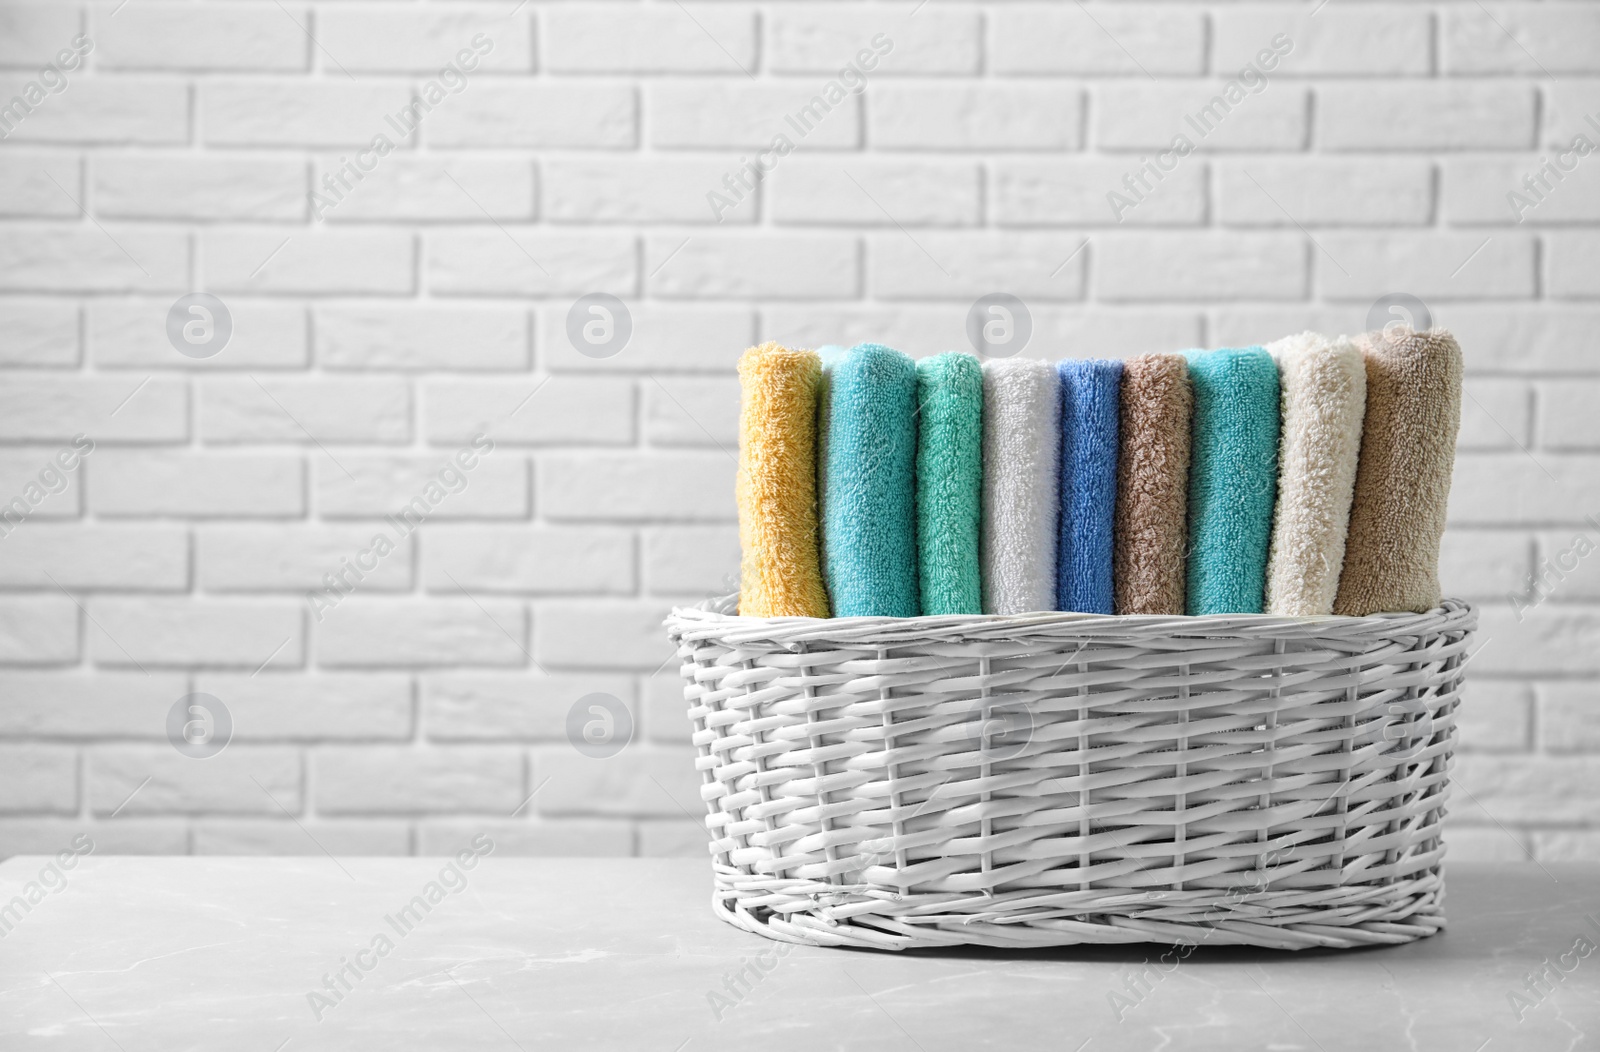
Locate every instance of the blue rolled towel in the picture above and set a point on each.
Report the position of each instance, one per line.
(870, 529)
(1233, 478)
(1089, 411)
(949, 482)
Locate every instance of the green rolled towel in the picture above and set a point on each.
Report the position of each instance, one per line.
(1233, 478)
(949, 482)
(869, 527)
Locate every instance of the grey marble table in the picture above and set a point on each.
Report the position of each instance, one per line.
(169, 954)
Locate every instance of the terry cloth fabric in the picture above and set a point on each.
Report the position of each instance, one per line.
(1021, 476)
(949, 481)
(1408, 445)
(780, 575)
(1152, 526)
(1089, 411)
(830, 355)
(1324, 396)
(869, 535)
(1233, 476)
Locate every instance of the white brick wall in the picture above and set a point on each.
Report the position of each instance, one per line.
(374, 336)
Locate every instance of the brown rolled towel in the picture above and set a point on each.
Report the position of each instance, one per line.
(1152, 485)
(1408, 449)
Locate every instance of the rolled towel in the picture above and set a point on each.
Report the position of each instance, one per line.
(1152, 526)
(1233, 476)
(1408, 446)
(869, 534)
(1021, 476)
(1324, 396)
(779, 571)
(1089, 411)
(949, 481)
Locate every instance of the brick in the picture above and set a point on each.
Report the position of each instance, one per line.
(632, 487)
(39, 333)
(31, 34)
(666, 709)
(38, 467)
(1479, 844)
(319, 262)
(1571, 108)
(116, 111)
(1574, 264)
(305, 410)
(279, 836)
(300, 113)
(228, 37)
(129, 482)
(1547, 338)
(241, 779)
(1518, 38)
(367, 633)
(1352, 40)
(563, 838)
(1549, 639)
(1199, 266)
(1485, 564)
(1504, 488)
(550, 410)
(933, 116)
(1569, 718)
(938, 264)
(403, 780)
(32, 184)
(1495, 716)
(500, 706)
(366, 486)
(709, 114)
(1418, 116)
(296, 557)
(53, 407)
(1565, 420)
(119, 836)
(651, 189)
(1566, 845)
(1146, 115)
(472, 190)
(530, 262)
(1479, 191)
(601, 634)
(190, 187)
(1528, 789)
(1097, 40)
(36, 777)
(402, 39)
(636, 781)
(737, 266)
(1495, 414)
(81, 707)
(1444, 265)
(1564, 565)
(664, 838)
(1326, 191)
(152, 632)
(862, 192)
(38, 630)
(537, 117)
(1246, 326)
(667, 338)
(282, 706)
(679, 559)
(416, 337)
(699, 38)
(522, 559)
(128, 557)
(1077, 192)
(703, 411)
(823, 38)
(87, 258)
(132, 334)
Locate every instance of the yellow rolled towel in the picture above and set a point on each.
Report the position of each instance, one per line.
(780, 568)
(1408, 447)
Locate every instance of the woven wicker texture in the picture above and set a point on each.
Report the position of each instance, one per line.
(1049, 779)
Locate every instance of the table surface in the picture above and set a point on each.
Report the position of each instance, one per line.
(224, 953)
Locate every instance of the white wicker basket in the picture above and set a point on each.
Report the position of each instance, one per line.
(1048, 779)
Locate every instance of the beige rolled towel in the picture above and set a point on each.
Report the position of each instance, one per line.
(1151, 532)
(1323, 397)
(1408, 447)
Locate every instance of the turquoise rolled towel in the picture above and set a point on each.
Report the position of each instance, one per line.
(1233, 478)
(949, 482)
(869, 532)
(1089, 411)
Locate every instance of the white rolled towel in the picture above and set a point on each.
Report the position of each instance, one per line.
(1323, 385)
(1021, 485)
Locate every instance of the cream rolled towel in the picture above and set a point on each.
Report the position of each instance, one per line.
(1323, 397)
(1408, 448)
(1021, 480)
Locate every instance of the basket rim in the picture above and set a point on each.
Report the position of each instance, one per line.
(711, 620)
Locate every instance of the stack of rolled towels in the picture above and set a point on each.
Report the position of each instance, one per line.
(1304, 478)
